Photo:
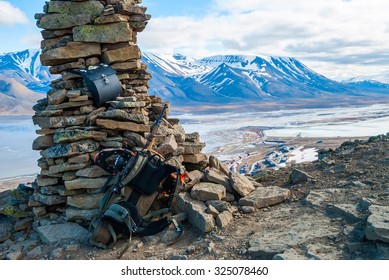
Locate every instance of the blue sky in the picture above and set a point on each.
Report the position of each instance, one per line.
(337, 38)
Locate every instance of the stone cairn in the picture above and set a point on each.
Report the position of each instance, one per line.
(76, 35)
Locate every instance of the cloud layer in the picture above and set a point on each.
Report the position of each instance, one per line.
(11, 15)
(342, 38)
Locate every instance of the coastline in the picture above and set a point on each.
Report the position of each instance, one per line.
(248, 149)
(13, 182)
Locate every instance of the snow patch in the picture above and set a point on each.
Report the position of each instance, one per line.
(300, 155)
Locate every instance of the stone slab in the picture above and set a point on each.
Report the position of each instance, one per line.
(377, 227)
(85, 183)
(53, 234)
(105, 33)
(69, 53)
(208, 191)
(196, 212)
(264, 197)
(241, 184)
(73, 214)
(299, 230)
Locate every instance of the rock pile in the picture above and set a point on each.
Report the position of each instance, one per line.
(73, 128)
(65, 196)
(215, 195)
(78, 35)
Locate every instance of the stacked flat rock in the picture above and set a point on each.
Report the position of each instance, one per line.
(81, 34)
(214, 195)
(77, 35)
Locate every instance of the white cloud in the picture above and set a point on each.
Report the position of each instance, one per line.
(32, 40)
(11, 15)
(346, 34)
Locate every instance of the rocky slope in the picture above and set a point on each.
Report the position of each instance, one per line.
(23, 80)
(336, 208)
(15, 97)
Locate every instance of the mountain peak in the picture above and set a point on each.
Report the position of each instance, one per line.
(25, 68)
(179, 56)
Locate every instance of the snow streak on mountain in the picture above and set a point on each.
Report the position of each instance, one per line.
(25, 68)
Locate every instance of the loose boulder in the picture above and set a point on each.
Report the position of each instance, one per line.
(263, 197)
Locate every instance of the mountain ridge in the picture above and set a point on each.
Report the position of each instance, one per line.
(219, 79)
(250, 78)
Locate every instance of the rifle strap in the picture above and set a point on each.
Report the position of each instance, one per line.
(131, 170)
(141, 160)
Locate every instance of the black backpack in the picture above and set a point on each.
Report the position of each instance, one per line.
(142, 186)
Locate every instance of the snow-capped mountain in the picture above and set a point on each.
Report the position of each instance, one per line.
(217, 79)
(25, 67)
(232, 78)
(22, 78)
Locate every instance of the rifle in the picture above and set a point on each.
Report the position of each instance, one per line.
(124, 155)
(154, 129)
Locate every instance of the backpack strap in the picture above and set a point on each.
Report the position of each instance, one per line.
(121, 215)
(140, 162)
(102, 234)
(116, 193)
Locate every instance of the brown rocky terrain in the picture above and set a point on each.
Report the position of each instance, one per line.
(334, 208)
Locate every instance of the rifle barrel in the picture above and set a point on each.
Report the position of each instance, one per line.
(154, 129)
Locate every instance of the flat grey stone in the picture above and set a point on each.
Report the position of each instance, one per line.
(263, 197)
(168, 146)
(300, 230)
(218, 177)
(382, 251)
(208, 191)
(347, 212)
(241, 184)
(224, 219)
(49, 199)
(85, 201)
(196, 212)
(85, 183)
(57, 253)
(291, 254)
(248, 209)
(195, 177)
(212, 210)
(363, 204)
(23, 224)
(322, 252)
(35, 253)
(53, 234)
(92, 172)
(322, 198)
(340, 168)
(220, 205)
(73, 214)
(377, 227)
